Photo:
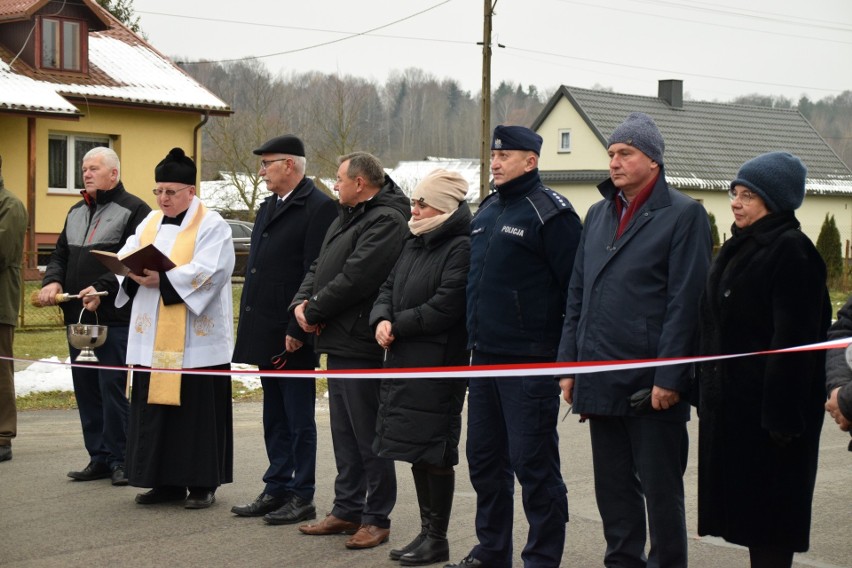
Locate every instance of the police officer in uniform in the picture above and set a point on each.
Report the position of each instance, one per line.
(523, 240)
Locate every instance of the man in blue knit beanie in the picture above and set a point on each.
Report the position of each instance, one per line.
(634, 293)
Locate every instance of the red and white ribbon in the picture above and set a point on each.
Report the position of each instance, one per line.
(557, 369)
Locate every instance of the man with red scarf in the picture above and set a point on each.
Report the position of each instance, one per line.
(639, 272)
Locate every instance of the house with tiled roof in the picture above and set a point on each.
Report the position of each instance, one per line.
(706, 143)
(73, 77)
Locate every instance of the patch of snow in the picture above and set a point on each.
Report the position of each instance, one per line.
(53, 374)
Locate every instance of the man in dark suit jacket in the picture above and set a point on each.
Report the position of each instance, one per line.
(288, 232)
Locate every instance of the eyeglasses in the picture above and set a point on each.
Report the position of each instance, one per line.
(745, 197)
(170, 192)
(265, 163)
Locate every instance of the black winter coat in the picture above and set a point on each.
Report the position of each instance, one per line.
(419, 420)
(766, 290)
(839, 375)
(284, 243)
(358, 253)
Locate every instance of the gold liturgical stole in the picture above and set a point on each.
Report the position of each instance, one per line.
(170, 338)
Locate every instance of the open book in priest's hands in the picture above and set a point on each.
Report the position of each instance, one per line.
(135, 261)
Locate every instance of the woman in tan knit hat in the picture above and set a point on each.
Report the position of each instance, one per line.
(419, 318)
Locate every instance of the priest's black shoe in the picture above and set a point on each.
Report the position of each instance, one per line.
(295, 510)
(95, 470)
(5, 453)
(467, 562)
(200, 499)
(161, 495)
(265, 503)
(119, 478)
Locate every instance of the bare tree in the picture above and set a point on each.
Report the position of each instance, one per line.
(254, 96)
(344, 118)
(412, 116)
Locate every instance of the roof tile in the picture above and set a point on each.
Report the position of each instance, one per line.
(706, 143)
(122, 68)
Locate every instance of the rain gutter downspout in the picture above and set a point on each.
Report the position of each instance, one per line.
(195, 142)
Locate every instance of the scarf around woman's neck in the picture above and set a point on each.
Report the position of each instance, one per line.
(423, 226)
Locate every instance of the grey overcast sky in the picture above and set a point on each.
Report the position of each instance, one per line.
(720, 49)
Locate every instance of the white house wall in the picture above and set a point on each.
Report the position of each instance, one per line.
(811, 214)
(587, 152)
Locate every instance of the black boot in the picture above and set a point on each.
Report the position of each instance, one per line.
(435, 547)
(421, 486)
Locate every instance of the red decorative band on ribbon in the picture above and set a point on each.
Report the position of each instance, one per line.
(556, 369)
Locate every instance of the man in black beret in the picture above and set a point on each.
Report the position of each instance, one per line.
(288, 232)
(522, 245)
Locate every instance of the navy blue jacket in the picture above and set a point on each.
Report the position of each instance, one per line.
(284, 243)
(636, 297)
(523, 240)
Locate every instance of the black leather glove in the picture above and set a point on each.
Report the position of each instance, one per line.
(640, 401)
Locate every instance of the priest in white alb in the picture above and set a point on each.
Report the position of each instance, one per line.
(180, 433)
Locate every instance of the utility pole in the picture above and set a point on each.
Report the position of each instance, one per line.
(485, 142)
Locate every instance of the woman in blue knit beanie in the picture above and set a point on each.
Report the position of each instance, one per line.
(761, 416)
(777, 177)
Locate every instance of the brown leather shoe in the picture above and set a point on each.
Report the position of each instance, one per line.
(368, 536)
(330, 525)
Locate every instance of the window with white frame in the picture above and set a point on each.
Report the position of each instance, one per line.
(65, 159)
(564, 140)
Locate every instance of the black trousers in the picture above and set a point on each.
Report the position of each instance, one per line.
(101, 400)
(365, 486)
(639, 464)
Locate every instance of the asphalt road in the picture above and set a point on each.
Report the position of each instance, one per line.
(47, 520)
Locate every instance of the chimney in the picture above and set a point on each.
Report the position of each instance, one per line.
(671, 91)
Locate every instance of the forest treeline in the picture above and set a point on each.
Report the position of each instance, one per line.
(411, 116)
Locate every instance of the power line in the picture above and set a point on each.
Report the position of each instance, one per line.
(705, 23)
(669, 71)
(323, 44)
(370, 32)
(749, 14)
(302, 28)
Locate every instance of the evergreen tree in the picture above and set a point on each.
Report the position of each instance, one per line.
(829, 247)
(714, 232)
(123, 12)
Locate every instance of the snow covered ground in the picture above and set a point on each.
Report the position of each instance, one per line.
(53, 374)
